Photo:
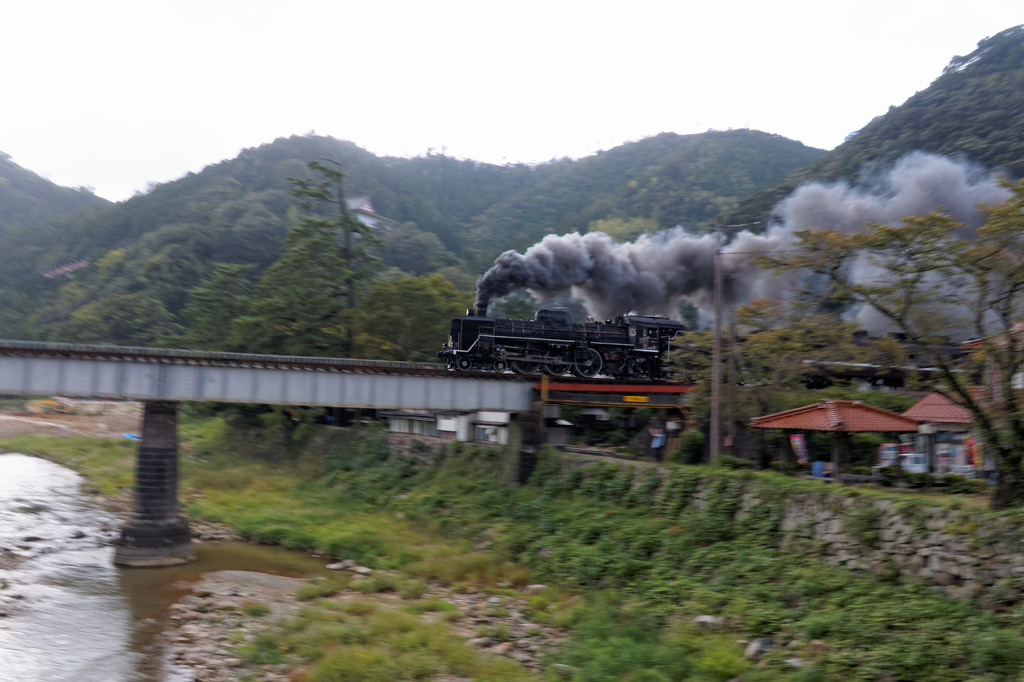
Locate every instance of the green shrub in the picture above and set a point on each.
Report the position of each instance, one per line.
(862, 523)
(375, 584)
(791, 466)
(730, 462)
(958, 485)
(620, 437)
(430, 605)
(264, 650)
(356, 664)
(412, 589)
(1000, 652)
(255, 609)
(320, 588)
(861, 471)
(691, 448)
(978, 485)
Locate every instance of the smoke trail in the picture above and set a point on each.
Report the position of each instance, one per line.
(651, 274)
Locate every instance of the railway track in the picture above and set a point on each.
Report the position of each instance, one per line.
(75, 351)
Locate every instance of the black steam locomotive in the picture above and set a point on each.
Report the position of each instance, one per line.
(628, 347)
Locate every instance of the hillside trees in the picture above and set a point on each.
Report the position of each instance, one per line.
(928, 282)
(330, 214)
(408, 318)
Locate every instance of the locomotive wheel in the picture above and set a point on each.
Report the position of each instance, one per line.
(521, 367)
(464, 364)
(593, 369)
(500, 366)
(556, 367)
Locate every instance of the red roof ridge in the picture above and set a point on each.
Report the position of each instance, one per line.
(838, 415)
(936, 407)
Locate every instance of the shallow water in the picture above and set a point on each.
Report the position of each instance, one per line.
(79, 617)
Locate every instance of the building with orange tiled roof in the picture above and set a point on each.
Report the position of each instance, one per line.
(938, 409)
(952, 425)
(838, 415)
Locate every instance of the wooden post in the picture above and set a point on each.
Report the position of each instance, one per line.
(716, 349)
(835, 455)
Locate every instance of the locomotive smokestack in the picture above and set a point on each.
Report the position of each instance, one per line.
(481, 309)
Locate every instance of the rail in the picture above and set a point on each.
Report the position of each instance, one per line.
(143, 354)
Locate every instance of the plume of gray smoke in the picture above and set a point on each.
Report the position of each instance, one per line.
(919, 183)
(648, 275)
(651, 274)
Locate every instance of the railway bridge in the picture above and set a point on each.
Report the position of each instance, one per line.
(157, 534)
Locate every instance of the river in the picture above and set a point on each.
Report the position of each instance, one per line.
(66, 612)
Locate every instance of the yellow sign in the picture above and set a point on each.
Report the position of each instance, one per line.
(635, 399)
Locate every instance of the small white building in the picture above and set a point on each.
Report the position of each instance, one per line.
(362, 208)
(480, 427)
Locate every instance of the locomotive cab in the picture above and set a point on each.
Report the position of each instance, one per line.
(652, 334)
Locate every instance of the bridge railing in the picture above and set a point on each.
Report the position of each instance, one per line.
(168, 354)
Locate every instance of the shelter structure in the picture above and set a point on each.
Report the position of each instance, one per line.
(837, 417)
(951, 425)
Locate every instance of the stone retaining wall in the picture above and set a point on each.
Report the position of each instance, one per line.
(963, 553)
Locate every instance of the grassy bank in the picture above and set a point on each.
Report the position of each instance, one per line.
(633, 560)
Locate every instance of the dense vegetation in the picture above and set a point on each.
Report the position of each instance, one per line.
(974, 110)
(454, 216)
(27, 199)
(633, 560)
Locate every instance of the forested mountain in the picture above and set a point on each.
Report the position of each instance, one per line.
(974, 110)
(670, 179)
(455, 216)
(27, 198)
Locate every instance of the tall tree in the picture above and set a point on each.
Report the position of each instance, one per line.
(324, 201)
(927, 281)
(213, 309)
(408, 318)
(300, 305)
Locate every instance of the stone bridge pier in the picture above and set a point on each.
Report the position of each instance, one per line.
(156, 534)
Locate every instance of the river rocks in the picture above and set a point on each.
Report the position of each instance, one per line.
(211, 532)
(564, 671)
(362, 570)
(708, 622)
(206, 627)
(536, 589)
(757, 648)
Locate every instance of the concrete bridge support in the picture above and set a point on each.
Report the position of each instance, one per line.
(157, 533)
(530, 426)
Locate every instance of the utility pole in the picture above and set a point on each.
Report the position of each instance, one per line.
(733, 378)
(716, 352)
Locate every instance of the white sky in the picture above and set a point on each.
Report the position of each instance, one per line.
(117, 94)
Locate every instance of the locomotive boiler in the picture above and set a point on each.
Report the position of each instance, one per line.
(628, 347)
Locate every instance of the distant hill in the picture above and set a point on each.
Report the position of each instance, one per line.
(671, 179)
(974, 110)
(455, 217)
(26, 198)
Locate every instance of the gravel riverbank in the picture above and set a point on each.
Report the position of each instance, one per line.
(210, 633)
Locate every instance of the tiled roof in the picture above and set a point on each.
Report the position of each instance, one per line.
(837, 415)
(938, 408)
